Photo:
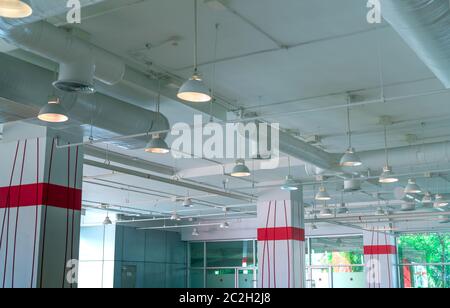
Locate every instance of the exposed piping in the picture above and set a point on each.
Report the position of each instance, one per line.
(184, 184)
(423, 24)
(26, 84)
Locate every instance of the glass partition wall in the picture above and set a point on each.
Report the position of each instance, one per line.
(223, 264)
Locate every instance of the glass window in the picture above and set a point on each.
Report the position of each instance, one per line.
(424, 260)
(337, 251)
(229, 254)
(197, 251)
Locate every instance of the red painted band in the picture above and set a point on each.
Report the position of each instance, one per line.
(281, 234)
(380, 250)
(48, 194)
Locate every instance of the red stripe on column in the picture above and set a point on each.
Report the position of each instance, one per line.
(281, 234)
(380, 250)
(52, 195)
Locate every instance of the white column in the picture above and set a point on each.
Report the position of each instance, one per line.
(380, 255)
(40, 203)
(281, 240)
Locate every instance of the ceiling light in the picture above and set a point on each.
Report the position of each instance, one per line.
(326, 212)
(107, 221)
(440, 201)
(240, 170)
(408, 207)
(175, 217)
(444, 219)
(157, 146)
(194, 90)
(53, 112)
(343, 209)
(427, 198)
(380, 212)
(188, 202)
(412, 187)
(290, 184)
(195, 232)
(350, 159)
(323, 195)
(14, 9)
(224, 225)
(388, 177)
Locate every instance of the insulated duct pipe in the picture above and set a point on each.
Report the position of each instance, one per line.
(124, 83)
(79, 60)
(423, 24)
(30, 85)
(433, 154)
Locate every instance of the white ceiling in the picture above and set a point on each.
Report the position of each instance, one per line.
(274, 57)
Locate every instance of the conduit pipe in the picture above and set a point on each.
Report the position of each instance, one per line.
(423, 24)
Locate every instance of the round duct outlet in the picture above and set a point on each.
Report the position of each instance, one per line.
(352, 185)
(76, 78)
(74, 86)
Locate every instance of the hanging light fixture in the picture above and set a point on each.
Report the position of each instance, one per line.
(343, 209)
(14, 9)
(323, 194)
(326, 211)
(427, 198)
(380, 211)
(289, 184)
(107, 221)
(194, 90)
(440, 202)
(53, 112)
(387, 177)
(157, 146)
(240, 169)
(408, 207)
(350, 158)
(188, 202)
(175, 217)
(225, 225)
(195, 232)
(412, 187)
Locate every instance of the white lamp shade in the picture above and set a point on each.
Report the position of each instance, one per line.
(107, 221)
(323, 195)
(157, 146)
(427, 198)
(14, 9)
(194, 91)
(350, 159)
(412, 187)
(195, 232)
(53, 112)
(240, 170)
(326, 212)
(188, 202)
(388, 177)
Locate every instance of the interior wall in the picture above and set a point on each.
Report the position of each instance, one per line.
(96, 270)
(149, 259)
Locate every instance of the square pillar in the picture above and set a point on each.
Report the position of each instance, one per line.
(40, 205)
(281, 240)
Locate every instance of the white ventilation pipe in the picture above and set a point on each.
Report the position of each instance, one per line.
(80, 61)
(423, 24)
(420, 156)
(26, 84)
